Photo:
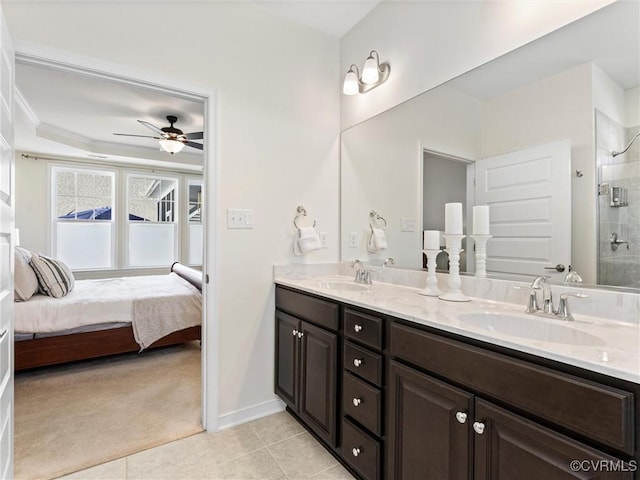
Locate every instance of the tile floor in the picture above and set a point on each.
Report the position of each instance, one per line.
(273, 447)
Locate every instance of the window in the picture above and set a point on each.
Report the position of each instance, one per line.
(194, 214)
(152, 220)
(83, 211)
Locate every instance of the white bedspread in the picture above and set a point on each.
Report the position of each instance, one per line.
(97, 301)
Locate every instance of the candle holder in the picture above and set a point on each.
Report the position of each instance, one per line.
(431, 290)
(454, 242)
(481, 254)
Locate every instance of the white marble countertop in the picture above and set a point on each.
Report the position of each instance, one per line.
(608, 347)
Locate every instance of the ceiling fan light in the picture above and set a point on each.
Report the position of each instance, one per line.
(350, 85)
(170, 145)
(371, 70)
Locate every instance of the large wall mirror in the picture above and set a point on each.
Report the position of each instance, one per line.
(532, 134)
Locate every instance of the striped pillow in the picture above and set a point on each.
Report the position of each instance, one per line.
(54, 277)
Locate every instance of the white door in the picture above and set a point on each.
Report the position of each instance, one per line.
(7, 225)
(529, 195)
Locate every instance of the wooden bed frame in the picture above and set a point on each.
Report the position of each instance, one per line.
(39, 352)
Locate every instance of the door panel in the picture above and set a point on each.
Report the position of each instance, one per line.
(425, 438)
(7, 226)
(287, 358)
(513, 447)
(318, 381)
(529, 192)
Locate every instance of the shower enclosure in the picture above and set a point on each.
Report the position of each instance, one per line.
(618, 169)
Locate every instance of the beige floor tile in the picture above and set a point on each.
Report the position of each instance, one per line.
(227, 444)
(334, 473)
(277, 427)
(301, 456)
(174, 460)
(257, 465)
(115, 470)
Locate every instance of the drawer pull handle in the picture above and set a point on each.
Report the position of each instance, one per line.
(295, 332)
(357, 362)
(355, 451)
(461, 417)
(478, 427)
(357, 328)
(300, 334)
(357, 401)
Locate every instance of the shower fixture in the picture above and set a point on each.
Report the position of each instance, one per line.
(615, 154)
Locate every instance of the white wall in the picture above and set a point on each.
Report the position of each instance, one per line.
(278, 139)
(427, 43)
(632, 103)
(554, 108)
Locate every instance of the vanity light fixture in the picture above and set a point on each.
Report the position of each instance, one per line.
(373, 74)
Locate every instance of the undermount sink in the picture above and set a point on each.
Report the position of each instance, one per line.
(530, 327)
(341, 285)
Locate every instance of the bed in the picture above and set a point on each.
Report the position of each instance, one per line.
(109, 316)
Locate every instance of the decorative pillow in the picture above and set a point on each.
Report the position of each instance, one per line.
(54, 277)
(25, 283)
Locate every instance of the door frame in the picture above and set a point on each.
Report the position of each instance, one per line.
(70, 62)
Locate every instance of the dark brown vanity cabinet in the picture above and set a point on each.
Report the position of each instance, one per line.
(307, 360)
(438, 430)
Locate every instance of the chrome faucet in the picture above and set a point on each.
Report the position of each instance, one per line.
(362, 274)
(533, 307)
(388, 261)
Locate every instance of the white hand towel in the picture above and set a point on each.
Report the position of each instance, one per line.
(377, 241)
(306, 241)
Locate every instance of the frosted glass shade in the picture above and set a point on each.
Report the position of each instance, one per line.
(370, 72)
(350, 86)
(171, 146)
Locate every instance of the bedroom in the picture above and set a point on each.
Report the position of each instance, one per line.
(278, 137)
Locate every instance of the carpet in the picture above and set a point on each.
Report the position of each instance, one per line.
(75, 416)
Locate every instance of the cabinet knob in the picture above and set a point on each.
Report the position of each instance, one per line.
(478, 427)
(461, 417)
(355, 451)
(300, 334)
(357, 328)
(295, 332)
(357, 362)
(357, 401)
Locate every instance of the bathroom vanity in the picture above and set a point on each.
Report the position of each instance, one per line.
(396, 387)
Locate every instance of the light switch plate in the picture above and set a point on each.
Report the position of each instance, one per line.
(408, 224)
(237, 218)
(323, 239)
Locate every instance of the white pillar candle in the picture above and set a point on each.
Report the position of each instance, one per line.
(453, 219)
(432, 239)
(481, 220)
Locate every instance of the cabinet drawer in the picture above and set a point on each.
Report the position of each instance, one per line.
(361, 451)
(320, 312)
(363, 328)
(597, 412)
(362, 402)
(363, 363)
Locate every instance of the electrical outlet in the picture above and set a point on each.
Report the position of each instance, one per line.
(237, 218)
(408, 224)
(323, 239)
(353, 240)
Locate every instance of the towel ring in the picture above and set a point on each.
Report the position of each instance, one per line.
(301, 213)
(374, 216)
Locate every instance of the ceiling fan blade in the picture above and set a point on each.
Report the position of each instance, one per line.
(131, 135)
(194, 136)
(154, 128)
(199, 146)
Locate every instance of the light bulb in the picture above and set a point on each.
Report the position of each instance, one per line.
(170, 145)
(370, 72)
(350, 86)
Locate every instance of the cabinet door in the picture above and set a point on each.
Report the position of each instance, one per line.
(513, 447)
(426, 436)
(318, 380)
(287, 328)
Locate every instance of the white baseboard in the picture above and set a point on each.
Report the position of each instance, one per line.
(254, 412)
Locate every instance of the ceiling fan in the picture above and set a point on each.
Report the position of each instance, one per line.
(171, 139)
